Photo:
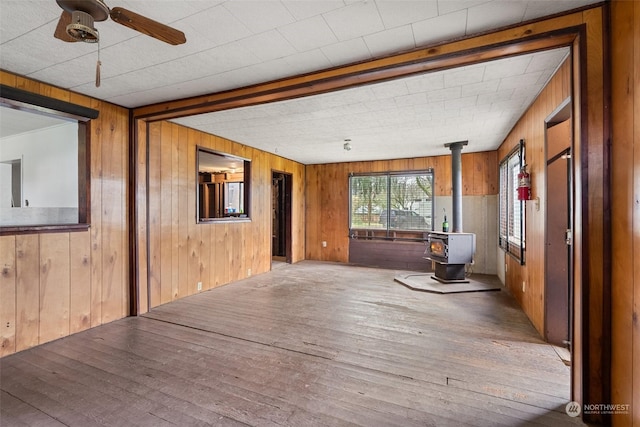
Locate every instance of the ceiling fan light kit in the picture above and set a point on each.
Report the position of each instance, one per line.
(81, 27)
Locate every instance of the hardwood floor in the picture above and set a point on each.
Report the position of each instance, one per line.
(310, 344)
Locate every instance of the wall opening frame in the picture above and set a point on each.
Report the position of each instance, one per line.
(223, 186)
(19, 99)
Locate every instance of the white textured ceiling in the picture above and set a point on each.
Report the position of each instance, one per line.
(236, 43)
(409, 117)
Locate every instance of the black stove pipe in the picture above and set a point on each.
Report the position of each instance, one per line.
(456, 184)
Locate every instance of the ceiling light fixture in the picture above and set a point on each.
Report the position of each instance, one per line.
(347, 145)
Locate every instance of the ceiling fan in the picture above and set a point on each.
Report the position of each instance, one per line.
(78, 16)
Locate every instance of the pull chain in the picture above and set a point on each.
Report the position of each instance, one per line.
(98, 64)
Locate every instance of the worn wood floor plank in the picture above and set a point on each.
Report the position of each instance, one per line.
(311, 344)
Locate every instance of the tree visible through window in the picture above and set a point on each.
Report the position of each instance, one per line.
(511, 229)
(392, 201)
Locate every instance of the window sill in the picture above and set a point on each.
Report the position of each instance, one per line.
(223, 220)
(38, 229)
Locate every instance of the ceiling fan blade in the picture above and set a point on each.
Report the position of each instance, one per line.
(147, 26)
(61, 28)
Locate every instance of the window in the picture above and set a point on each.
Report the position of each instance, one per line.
(392, 201)
(44, 163)
(223, 186)
(512, 217)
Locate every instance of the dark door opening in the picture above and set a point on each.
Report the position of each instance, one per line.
(281, 216)
(559, 234)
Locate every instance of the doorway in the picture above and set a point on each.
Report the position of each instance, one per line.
(281, 217)
(558, 234)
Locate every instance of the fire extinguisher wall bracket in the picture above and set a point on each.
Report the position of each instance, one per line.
(524, 184)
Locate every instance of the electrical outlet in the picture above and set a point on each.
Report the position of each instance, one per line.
(199, 286)
(523, 286)
(248, 272)
(324, 243)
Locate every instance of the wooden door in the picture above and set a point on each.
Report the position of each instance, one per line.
(558, 236)
(281, 216)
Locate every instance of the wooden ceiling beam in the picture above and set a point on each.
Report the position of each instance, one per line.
(516, 40)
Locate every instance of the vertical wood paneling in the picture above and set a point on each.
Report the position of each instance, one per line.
(27, 291)
(175, 208)
(597, 155)
(184, 214)
(212, 253)
(98, 138)
(141, 255)
(114, 197)
(166, 192)
(327, 198)
(154, 224)
(313, 191)
(190, 137)
(531, 128)
(80, 282)
(625, 283)
(634, 396)
(54, 286)
(577, 360)
(66, 282)
(7, 295)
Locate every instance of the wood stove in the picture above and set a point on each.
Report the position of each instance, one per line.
(450, 252)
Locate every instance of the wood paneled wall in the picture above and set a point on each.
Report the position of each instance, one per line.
(587, 84)
(56, 284)
(531, 128)
(625, 114)
(182, 252)
(328, 194)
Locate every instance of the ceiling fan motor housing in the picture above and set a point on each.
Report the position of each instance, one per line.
(81, 27)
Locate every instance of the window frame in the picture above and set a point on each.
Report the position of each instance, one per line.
(388, 230)
(245, 216)
(19, 99)
(511, 239)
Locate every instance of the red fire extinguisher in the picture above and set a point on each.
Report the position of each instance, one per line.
(524, 184)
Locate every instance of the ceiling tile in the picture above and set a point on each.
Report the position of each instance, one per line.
(425, 82)
(268, 45)
(464, 76)
(483, 87)
(448, 6)
(395, 13)
(260, 15)
(347, 52)
(442, 28)
(308, 34)
(390, 41)
(519, 81)
(216, 26)
(494, 14)
(355, 20)
(308, 8)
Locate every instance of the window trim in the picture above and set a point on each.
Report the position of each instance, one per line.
(391, 233)
(506, 241)
(246, 216)
(19, 99)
